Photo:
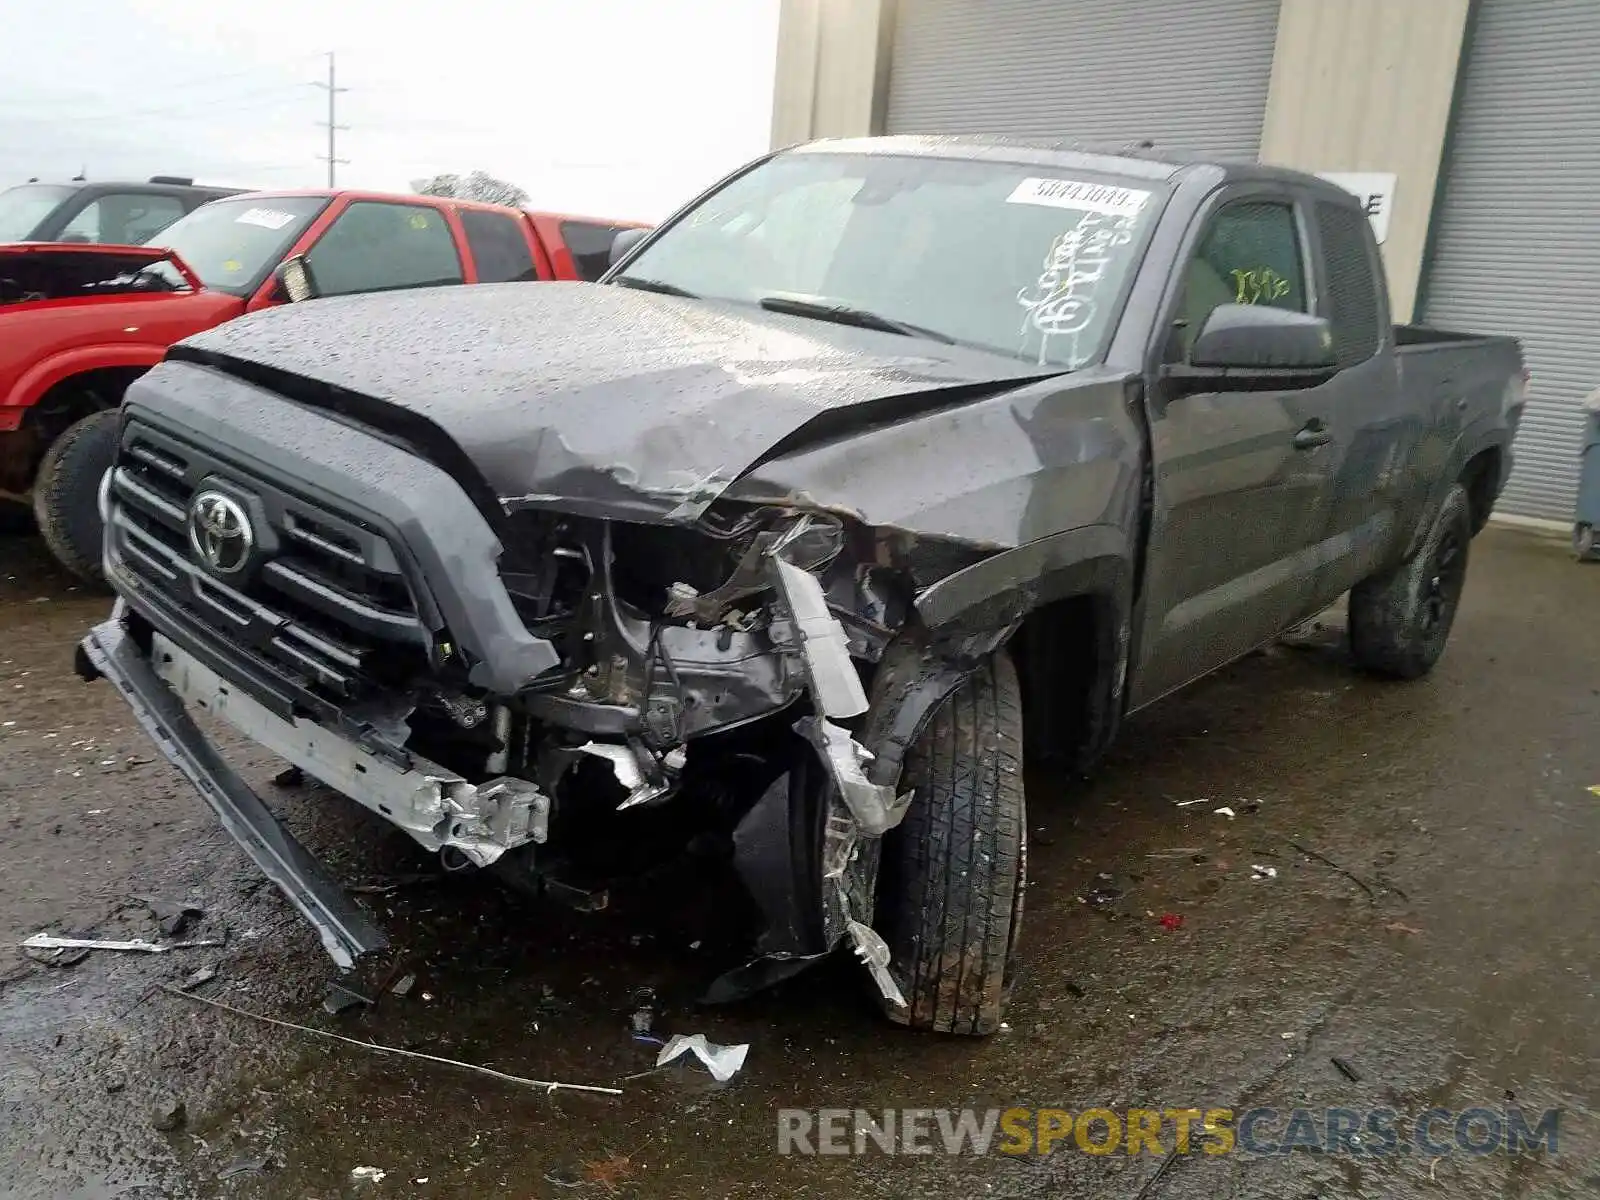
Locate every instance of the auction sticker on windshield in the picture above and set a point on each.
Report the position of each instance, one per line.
(267, 218)
(1085, 197)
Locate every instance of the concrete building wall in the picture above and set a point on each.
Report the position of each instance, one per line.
(1366, 85)
(833, 65)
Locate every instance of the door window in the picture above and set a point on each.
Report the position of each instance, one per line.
(499, 246)
(374, 246)
(1250, 254)
(123, 218)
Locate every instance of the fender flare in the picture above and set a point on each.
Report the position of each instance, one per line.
(972, 612)
(47, 372)
(1470, 444)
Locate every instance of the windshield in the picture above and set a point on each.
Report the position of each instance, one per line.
(233, 244)
(23, 208)
(1031, 261)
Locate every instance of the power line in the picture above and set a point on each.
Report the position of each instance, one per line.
(331, 122)
(200, 108)
(55, 110)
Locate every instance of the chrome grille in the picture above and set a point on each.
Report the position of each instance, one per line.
(324, 604)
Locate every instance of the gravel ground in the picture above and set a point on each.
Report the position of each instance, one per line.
(1431, 924)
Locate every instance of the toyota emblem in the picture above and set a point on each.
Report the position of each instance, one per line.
(220, 533)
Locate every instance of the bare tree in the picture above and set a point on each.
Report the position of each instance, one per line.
(480, 185)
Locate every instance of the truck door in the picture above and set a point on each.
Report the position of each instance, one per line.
(382, 245)
(1241, 481)
(1379, 424)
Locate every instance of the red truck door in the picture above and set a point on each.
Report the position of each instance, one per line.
(376, 244)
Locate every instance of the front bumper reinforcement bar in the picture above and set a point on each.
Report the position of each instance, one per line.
(345, 930)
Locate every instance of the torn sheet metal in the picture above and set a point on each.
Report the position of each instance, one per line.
(874, 806)
(835, 684)
(629, 771)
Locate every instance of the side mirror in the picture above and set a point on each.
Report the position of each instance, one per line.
(624, 242)
(1254, 336)
(295, 277)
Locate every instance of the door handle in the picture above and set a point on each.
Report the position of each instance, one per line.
(1313, 435)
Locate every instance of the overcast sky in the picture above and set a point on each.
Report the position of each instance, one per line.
(613, 107)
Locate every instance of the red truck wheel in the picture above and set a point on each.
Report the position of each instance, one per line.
(954, 870)
(66, 493)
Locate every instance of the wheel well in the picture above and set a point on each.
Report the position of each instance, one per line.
(1479, 477)
(62, 405)
(1065, 654)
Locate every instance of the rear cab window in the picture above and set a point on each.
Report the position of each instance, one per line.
(1350, 266)
(499, 246)
(376, 246)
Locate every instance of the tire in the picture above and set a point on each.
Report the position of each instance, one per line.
(66, 493)
(1400, 620)
(954, 871)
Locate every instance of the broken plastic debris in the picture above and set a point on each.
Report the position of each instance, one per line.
(367, 1174)
(1260, 872)
(45, 941)
(203, 976)
(1224, 811)
(1187, 803)
(835, 684)
(402, 986)
(722, 1061)
(338, 999)
(1172, 921)
(1594, 789)
(874, 952)
(874, 806)
(172, 916)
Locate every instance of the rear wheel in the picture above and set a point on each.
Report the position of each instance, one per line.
(1400, 620)
(954, 870)
(66, 493)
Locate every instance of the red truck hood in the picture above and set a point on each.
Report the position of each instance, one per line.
(35, 271)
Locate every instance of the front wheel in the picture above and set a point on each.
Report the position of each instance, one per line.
(954, 870)
(66, 493)
(1400, 620)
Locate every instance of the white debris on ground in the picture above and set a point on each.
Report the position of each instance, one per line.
(722, 1061)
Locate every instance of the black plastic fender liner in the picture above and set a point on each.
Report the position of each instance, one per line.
(346, 932)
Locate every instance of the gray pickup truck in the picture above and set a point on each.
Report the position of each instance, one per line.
(877, 464)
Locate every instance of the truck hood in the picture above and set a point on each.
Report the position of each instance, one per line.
(35, 271)
(595, 399)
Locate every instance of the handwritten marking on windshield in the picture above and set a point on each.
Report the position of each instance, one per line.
(1062, 301)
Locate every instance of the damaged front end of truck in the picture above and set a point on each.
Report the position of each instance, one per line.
(511, 677)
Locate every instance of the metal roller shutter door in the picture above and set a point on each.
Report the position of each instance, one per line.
(1517, 238)
(1190, 76)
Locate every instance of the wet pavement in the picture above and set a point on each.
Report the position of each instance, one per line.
(1431, 924)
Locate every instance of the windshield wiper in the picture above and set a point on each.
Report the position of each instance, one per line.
(654, 285)
(843, 314)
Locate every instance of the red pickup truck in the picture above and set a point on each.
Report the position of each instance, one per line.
(79, 322)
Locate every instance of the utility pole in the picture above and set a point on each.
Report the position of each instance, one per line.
(333, 127)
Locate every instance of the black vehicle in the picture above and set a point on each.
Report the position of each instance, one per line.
(876, 458)
(124, 214)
